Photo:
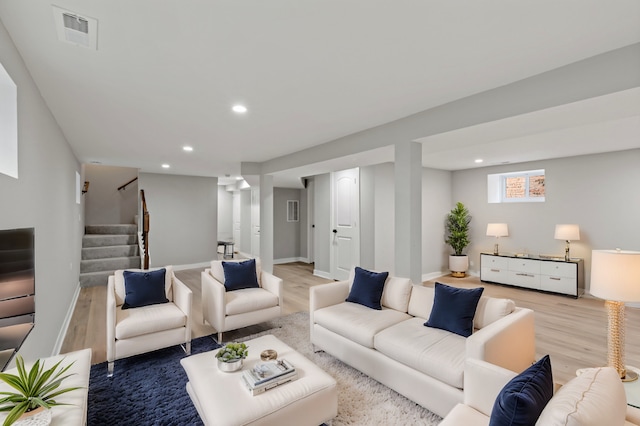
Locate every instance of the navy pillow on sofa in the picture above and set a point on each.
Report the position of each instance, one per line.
(144, 288)
(367, 288)
(239, 275)
(454, 308)
(521, 401)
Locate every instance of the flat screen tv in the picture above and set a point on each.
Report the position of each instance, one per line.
(17, 290)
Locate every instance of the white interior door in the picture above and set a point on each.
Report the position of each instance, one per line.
(255, 222)
(236, 219)
(345, 212)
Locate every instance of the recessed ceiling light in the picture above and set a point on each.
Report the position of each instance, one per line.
(165, 166)
(240, 109)
(187, 148)
(479, 160)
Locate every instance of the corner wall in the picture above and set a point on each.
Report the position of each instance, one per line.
(43, 197)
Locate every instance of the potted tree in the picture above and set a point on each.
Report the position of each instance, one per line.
(37, 390)
(457, 227)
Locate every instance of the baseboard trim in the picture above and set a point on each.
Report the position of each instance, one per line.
(65, 324)
(290, 260)
(322, 274)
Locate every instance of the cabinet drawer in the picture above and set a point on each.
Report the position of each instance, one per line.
(564, 285)
(557, 269)
(528, 266)
(524, 279)
(494, 274)
(494, 262)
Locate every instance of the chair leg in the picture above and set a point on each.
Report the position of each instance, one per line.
(187, 348)
(220, 337)
(110, 369)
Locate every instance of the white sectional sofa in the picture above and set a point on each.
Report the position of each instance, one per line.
(394, 347)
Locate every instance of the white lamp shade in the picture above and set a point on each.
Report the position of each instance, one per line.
(615, 275)
(497, 230)
(567, 232)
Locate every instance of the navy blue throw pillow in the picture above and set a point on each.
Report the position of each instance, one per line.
(239, 275)
(367, 288)
(454, 308)
(521, 401)
(144, 288)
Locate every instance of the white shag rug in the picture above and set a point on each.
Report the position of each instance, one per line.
(361, 400)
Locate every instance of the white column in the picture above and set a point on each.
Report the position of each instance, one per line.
(408, 211)
(266, 222)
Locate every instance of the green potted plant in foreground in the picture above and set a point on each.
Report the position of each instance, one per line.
(36, 389)
(231, 356)
(457, 226)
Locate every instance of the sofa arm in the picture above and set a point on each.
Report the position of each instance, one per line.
(483, 382)
(183, 298)
(111, 319)
(508, 342)
(213, 300)
(321, 296)
(273, 285)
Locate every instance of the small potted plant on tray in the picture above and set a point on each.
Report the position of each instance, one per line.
(231, 356)
(36, 390)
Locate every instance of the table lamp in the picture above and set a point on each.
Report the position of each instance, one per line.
(497, 230)
(615, 277)
(567, 232)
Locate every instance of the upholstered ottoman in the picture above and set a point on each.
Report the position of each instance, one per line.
(222, 399)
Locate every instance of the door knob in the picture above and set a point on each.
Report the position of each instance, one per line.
(335, 231)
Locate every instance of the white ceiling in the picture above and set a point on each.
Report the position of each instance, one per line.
(166, 74)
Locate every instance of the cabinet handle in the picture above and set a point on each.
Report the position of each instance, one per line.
(554, 278)
(495, 270)
(525, 275)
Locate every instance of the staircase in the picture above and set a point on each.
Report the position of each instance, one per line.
(106, 248)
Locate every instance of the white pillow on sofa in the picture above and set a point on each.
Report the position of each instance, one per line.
(594, 398)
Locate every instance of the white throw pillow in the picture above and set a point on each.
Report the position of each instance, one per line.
(421, 301)
(594, 398)
(396, 293)
(491, 309)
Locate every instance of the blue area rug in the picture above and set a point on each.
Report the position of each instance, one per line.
(147, 389)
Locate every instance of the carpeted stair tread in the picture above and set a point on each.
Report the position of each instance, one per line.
(95, 279)
(111, 229)
(89, 253)
(97, 240)
(96, 265)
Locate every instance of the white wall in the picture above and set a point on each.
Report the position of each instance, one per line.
(598, 192)
(367, 217)
(286, 235)
(322, 217)
(384, 220)
(436, 203)
(225, 214)
(104, 204)
(245, 221)
(183, 220)
(44, 197)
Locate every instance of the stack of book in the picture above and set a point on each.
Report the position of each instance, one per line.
(267, 375)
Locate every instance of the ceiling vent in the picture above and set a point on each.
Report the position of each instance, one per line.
(76, 29)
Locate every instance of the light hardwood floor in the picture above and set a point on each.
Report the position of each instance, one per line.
(572, 331)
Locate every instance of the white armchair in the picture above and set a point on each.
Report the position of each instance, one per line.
(143, 329)
(231, 310)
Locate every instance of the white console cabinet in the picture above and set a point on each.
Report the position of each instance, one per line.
(550, 275)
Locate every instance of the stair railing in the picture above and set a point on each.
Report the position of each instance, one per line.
(145, 231)
(121, 187)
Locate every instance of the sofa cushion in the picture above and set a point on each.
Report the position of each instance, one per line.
(396, 293)
(148, 319)
(596, 397)
(356, 322)
(421, 301)
(523, 398)
(217, 271)
(144, 288)
(119, 282)
(367, 288)
(434, 352)
(491, 309)
(249, 300)
(239, 275)
(454, 308)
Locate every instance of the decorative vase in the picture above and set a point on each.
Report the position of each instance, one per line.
(458, 265)
(38, 417)
(230, 366)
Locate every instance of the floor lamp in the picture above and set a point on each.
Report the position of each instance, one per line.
(615, 277)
